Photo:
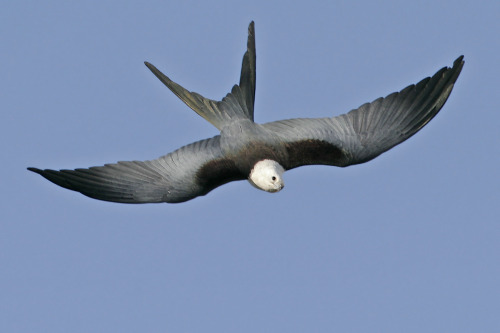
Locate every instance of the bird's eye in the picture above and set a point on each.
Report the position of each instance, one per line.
(274, 178)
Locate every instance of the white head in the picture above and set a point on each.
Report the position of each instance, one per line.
(267, 175)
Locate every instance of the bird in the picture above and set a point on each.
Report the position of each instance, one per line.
(260, 153)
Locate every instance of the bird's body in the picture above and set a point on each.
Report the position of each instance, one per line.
(261, 153)
(255, 143)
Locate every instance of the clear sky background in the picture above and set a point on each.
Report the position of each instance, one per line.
(409, 242)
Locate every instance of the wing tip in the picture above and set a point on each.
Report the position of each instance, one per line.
(251, 40)
(459, 61)
(458, 64)
(153, 69)
(35, 170)
(156, 71)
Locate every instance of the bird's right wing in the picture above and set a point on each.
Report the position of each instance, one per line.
(184, 174)
(364, 133)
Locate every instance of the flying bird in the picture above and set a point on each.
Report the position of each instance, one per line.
(261, 153)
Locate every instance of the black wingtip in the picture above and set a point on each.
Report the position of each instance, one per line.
(458, 64)
(35, 170)
(251, 36)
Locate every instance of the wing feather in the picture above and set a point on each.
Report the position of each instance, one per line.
(368, 131)
(188, 172)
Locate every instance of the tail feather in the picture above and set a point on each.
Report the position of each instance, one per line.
(238, 104)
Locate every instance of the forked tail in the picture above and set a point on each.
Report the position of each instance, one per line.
(238, 104)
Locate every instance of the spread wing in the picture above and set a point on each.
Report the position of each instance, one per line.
(184, 174)
(366, 132)
(238, 104)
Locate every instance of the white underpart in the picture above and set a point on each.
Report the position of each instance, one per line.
(267, 175)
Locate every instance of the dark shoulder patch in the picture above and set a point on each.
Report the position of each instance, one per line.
(216, 173)
(309, 152)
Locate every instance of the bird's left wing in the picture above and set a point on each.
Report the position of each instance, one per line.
(184, 174)
(366, 132)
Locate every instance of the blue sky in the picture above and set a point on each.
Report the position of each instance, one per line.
(406, 243)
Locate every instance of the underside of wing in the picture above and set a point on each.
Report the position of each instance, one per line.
(366, 132)
(238, 104)
(184, 174)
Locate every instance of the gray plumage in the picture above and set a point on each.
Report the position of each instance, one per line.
(196, 169)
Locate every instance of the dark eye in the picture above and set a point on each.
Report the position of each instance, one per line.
(274, 178)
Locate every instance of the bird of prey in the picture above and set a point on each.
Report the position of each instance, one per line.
(261, 153)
